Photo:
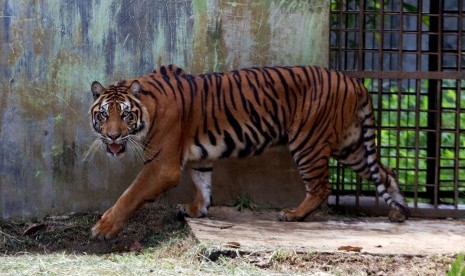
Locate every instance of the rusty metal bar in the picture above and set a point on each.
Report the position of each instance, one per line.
(380, 87)
(438, 95)
(399, 88)
(339, 35)
(406, 75)
(417, 101)
(458, 106)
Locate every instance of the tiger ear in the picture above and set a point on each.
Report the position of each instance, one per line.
(97, 89)
(135, 88)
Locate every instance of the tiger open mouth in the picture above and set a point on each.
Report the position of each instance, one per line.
(116, 149)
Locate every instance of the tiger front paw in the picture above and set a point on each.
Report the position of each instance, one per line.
(191, 211)
(288, 215)
(396, 216)
(108, 226)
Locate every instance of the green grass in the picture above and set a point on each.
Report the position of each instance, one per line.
(457, 268)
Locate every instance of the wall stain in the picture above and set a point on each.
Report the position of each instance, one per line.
(51, 51)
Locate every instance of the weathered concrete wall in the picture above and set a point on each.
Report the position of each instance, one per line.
(52, 50)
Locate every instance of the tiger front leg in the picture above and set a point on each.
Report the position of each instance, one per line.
(148, 185)
(202, 177)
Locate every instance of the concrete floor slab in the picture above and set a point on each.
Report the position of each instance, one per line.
(248, 230)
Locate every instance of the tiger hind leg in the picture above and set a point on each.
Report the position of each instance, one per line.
(358, 152)
(202, 178)
(313, 167)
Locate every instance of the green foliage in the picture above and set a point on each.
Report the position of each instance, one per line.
(244, 202)
(409, 7)
(457, 268)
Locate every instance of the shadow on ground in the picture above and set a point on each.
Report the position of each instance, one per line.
(150, 226)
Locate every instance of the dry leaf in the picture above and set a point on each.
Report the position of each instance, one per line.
(119, 248)
(350, 248)
(136, 246)
(233, 244)
(33, 228)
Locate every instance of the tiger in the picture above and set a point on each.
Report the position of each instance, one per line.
(178, 121)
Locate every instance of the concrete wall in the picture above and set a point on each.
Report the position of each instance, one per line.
(52, 50)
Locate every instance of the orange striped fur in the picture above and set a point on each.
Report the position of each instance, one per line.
(179, 120)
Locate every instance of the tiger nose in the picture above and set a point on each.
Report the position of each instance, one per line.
(113, 136)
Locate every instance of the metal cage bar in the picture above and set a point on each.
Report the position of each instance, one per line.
(409, 54)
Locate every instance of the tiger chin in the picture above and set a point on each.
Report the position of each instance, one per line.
(180, 121)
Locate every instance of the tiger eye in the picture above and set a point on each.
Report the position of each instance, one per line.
(100, 116)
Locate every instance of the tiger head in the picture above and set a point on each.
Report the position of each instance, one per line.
(118, 116)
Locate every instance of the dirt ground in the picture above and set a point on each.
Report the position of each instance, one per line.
(152, 226)
(148, 227)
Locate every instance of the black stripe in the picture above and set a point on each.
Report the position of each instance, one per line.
(238, 80)
(369, 138)
(269, 82)
(161, 88)
(285, 86)
(219, 91)
(192, 89)
(254, 90)
(231, 95)
(253, 132)
(248, 148)
(230, 145)
(212, 138)
(369, 152)
(206, 169)
(153, 157)
(234, 123)
(203, 151)
(361, 169)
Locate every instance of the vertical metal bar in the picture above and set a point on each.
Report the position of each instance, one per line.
(339, 33)
(339, 59)
(360, 62)
(380, 86)
(342, 62)
(439, 105)
(361, 35)
(338, 179)
(458, 108)
(346, 42)
(417, 101)
(417, 140)
(343, 176)
(432, 136)
(437, 161)
(399, 88)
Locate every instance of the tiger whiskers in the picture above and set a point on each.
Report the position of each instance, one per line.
(135, 148)
(90, 153)
(142, 152)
